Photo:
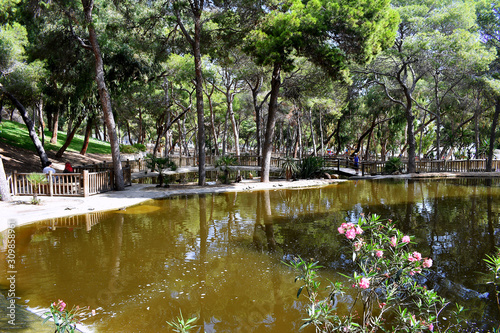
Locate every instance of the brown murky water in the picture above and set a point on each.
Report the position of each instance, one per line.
(219, 256)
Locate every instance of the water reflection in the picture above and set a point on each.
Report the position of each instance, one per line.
(219, 256)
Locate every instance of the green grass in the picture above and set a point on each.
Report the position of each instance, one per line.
(16, 134)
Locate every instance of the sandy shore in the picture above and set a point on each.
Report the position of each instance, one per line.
(20, 211)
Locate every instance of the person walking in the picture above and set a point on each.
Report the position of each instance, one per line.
(356, 163)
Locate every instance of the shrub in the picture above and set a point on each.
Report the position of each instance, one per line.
(128, 149)
(310, 167)
(224, 163)
(393, 164)
(160, 163)
(139, 146)
(289, 167)
(36, 180)
(384, 286)
(64, 319)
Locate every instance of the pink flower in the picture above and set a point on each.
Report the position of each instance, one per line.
(412, 273)
(359, 231)
(341, 230)
(358, 245)
(350, 234)
(415, 256)
(364, 283)
(62, 305)
(381, 305)
(406, 239)
(394, 241)
(427, 263)
(379, 253)
(431, 327)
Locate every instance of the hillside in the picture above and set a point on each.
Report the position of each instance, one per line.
(18, 152)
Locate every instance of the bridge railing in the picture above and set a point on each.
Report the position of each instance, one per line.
(377, 167)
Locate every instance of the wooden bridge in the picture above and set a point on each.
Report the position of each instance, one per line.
(340, 165)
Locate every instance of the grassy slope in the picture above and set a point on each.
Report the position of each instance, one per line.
(16, 134)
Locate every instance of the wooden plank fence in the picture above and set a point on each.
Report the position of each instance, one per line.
(377, 167)
(86, 182)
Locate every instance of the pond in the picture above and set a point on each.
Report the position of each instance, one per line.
(219, 256)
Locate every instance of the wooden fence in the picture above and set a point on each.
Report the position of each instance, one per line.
(182, 161)
(377, 167)
(85, 181)
(62, 184)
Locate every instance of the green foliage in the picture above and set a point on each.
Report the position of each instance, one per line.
(160, 164)
(132, 149)
(36, 180)
(310, 167)
(224, 162)
(293, 27)
(139, 146)
(17, 75)
(383, 280)
(493, 264)
(181, 325)
(65, 320)
(394, 164)
(16, 134)
(127, 149)
(289, 167)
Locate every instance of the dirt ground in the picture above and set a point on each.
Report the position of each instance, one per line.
(23, 160)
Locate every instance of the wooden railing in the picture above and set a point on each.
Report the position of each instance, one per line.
(243, 160)
(377, 167)
(63, 184)
(108, 167)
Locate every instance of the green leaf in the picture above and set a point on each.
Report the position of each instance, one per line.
(300, 290)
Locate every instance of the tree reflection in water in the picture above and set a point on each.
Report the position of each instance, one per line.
(219, 256)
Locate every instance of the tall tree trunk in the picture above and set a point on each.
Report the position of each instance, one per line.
(230, 98)
(97, 127)
(199, 92)
(69, 138)
(438, 136)
(31, 129)
(271, 120)
(69, 123)
(128, 133)
(412, 167)
(476, 132)
(258, 113)
(104, 96)
(212, 119)
(140, 139)
(313, 138)
(297, 144)
(4, 184)
(489, 162)
(55, 126)
(224, 135)
(39, 107)
(104, 132)
(88, 132)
